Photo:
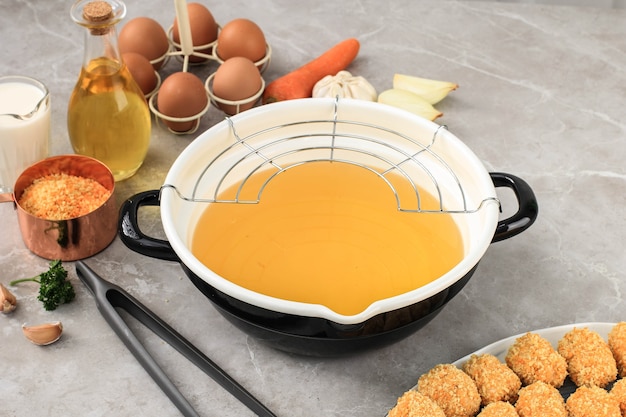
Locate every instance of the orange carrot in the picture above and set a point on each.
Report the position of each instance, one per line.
(300, 82)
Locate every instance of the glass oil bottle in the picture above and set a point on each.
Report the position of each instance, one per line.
(108, 116)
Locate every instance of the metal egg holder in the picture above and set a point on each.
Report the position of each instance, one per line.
(185, 49)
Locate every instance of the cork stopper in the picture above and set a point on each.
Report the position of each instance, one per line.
(98, 12)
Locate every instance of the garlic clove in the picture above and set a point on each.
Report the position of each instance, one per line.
(409, 101)
(433, 91)
(8, 302)
(43, 334)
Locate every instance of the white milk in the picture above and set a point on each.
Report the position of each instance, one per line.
(22, 142)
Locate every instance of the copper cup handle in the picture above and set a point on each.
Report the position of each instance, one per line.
(6, 198)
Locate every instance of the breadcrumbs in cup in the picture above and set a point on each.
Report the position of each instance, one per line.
(66, 207)
(61, 196)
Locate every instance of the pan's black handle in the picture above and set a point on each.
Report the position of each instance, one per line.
(136, 240)
(527, 211)
(131, 234)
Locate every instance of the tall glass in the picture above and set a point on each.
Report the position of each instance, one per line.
(24, 126)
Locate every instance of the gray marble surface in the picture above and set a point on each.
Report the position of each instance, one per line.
(617, 4)
(542, 96)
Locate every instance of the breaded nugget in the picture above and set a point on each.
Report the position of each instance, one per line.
(498, 409)
(618, 391)
(592, 402)
(540, 399)
(533, 359)
(414, 404)
(452, 389)
(495, 381)
(617, 343)
(589, 358)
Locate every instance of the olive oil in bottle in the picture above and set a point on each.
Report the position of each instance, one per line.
(108, 116)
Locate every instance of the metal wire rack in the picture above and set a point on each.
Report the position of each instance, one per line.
(391, 155)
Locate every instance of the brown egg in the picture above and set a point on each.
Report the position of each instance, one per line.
(241, 37)
(202, 26)
(144, 36)
(182, 94)
(236, 79)
(142, 71)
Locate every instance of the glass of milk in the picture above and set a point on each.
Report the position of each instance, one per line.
(24, 126)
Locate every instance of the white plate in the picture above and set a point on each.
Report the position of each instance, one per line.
(553, 334)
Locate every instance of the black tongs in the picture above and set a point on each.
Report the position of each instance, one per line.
(110, 296)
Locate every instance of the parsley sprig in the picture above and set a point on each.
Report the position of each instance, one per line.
(54, 287)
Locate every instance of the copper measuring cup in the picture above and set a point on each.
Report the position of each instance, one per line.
(70, 239)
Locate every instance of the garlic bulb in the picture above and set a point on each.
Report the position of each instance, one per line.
(345, 85)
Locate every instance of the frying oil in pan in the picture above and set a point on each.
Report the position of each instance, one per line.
(327, 233)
